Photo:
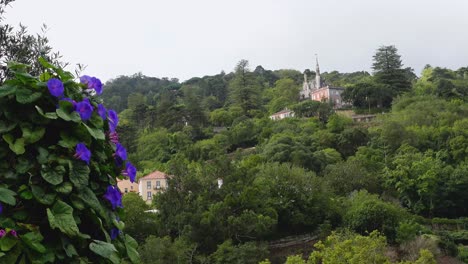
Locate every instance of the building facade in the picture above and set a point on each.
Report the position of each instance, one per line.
(318, 90)
(151, 184)
(282, 114)
(125, 186)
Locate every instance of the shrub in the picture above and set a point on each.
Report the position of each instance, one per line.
(59, 160)
(367, 213)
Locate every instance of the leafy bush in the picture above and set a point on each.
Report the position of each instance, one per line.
(463, 254)
(59, 160)
(158, 250)
(249, 253)
(408, 230)
(367, 213)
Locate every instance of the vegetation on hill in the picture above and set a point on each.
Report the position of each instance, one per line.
(389, 191)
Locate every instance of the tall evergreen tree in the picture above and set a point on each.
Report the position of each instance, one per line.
(388, 70)
(244, 91)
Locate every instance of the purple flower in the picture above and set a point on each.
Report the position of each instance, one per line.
(92, 83)
(13, 233)
(82, 152)
(85, 79)
(114, 196)
(130, 171)
(113, 120)
(95, 83)
(120, 152)
(114, 233)
(2, 233)
(55, 87)
(102, 111)
(85, 109)
(1, 208)
(114, 137)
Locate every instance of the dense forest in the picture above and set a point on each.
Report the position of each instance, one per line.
(403, 174)
(392, 190)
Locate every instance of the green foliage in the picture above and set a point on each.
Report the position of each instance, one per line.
(295, 260)
(408, 230)
(249, 253)
(284, 93)
(244, 91)
(138, 223)
(350, 248)
(163, 250)
(49, 197)
(463, 254)
(366, 213)
(351, 175)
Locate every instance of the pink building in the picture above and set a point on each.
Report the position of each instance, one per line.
(317, 90)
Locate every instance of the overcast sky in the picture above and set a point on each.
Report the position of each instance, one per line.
(190, 38)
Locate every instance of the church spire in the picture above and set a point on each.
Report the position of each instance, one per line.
(317, 68)
(318, 83)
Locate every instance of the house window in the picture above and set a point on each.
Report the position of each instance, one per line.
(148, 185)
(148, 195)
(158, 184)
(126, 190)
(131, 187)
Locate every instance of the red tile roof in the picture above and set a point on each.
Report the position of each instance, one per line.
(155, 175)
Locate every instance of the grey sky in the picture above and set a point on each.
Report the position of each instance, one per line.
(191, 38)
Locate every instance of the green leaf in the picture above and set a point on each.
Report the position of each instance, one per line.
(41, 196)
(73, 116)
(4, 127)
(33, 240)
(77, 202)
(61, 217)
(7, 90)
(45, 77)
(7, 196)
(17, 146)
(50, 115)
(30, 134)
(69, 248)
(131, 246)
(89, 198)
(64, 188)
(26, 96)
(25, 192)
(119, 224)
(7, 243)
(53, 176)
(104, 249)
(23, 165)
(96, 120)
(79, 173)
(46, 64)
(43, 155)
(12, 255)
(17, 66)
(67, 140)
(20, 215)
(95, 132)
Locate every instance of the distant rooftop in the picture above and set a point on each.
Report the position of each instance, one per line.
(154, 175)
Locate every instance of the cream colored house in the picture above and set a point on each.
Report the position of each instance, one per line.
(152, 184)
(125, 186)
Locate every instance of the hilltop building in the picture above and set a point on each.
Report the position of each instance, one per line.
(282, 114)
(125, 186)
(151, 184)
(317, 90)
